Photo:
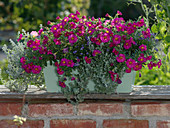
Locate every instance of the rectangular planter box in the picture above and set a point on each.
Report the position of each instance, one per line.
(51, 81)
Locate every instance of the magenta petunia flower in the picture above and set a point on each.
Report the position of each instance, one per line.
(60, 71)
(120, 27)
(95, 52)
(159, 63)
(54, 28)
(70, 63)
(150, 65)
(20, 37)
(48, 22)
(143, 47)
(56, 64)
(88, 60)
(127, 44)
(40, 31)
(57, 42)
(121, 58)
(116, 39)
(62, 84)
(115, 51)
(72, 25)
(23, 60)
(91, 31)
(119, 13)
(137, 66)
(80, 32)
(29, 43)
(36, 69)
(130, 63)
(148, 57)
(63, 62)
(141, 23)
(128, 70)
(73, 78)
(142, 59)
(72, 38)
(105, 37)
(77, 12)
(66, 19)
(146, 33)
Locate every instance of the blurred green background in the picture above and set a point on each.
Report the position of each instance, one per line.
(16, 15)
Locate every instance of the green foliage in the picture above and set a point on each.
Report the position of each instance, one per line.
(26, 14)
(4, 66)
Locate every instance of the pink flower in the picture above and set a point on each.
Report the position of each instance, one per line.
(88, 60)
(70, 63)
(73, 25)
(150, 65)
(159, 63)
(116, 39)
(73, 78)
(72, 38)
(121, 58)
(36, 69)
(130, 63)
(22, 60)
(56, 64)
(20, 37)
(60, 71)
(115, 51)
(29, 43)
(62, 84)
(54, 28)
(80, 32)
(34, 33)
(105, 37)
(48, 22)
(40, 31)
(148, 57)
(146, 33)
(137, 66)
(127, 44)
(57, 42)
(57, 18)
(63, 62)
(128, 70)
(95, 52)
(89, 24)
(143, 47)
(119, 13)
(141, 23)
(107, 15)
(77, 12)
(142, 59)
(91, 31)
(120, 27)
(66, 19)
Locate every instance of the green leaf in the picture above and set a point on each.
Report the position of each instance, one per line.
(167, 38)
(166, 49)
(154, 28)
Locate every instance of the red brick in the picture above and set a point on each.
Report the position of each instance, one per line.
(48, 110)
(100, 109)
(72, 124)
(150, 109)
(163, 124)
(27, 124)
(10, 109)
(123, 123)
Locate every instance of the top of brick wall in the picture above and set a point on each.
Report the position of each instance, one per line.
(149, 92)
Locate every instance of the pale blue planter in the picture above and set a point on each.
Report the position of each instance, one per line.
(51, 81)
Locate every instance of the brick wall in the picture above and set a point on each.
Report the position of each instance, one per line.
(90, 114)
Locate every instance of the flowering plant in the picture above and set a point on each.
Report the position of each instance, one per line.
(100, 49)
